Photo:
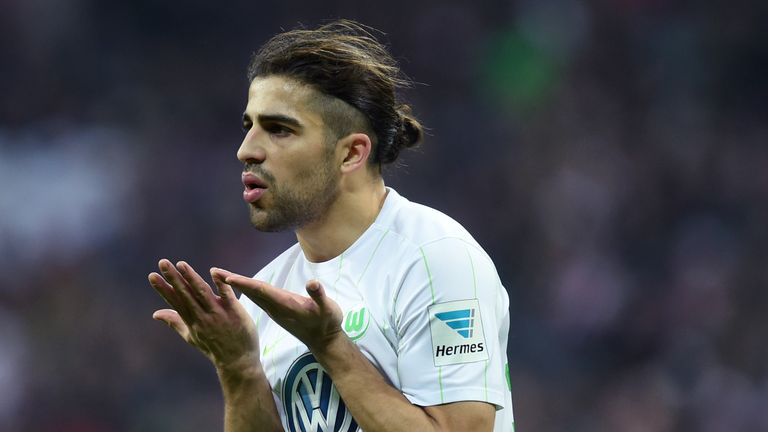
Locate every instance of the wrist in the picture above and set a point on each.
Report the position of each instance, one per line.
(245, 367)
(333, 345)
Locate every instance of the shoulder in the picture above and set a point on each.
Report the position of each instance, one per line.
(425, 227)
(440, 258)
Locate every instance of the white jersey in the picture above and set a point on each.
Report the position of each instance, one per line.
(422, 301)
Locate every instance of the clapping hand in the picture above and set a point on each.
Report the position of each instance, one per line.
(216, 324)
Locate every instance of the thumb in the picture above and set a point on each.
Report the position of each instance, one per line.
(317, 293)
(173, 320)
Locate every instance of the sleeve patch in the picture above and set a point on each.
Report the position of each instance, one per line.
(457, 333)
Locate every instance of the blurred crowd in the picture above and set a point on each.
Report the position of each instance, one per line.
(611, 156)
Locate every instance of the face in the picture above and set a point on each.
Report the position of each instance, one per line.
(289, 174)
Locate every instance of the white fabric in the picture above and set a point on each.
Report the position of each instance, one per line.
(404, 269)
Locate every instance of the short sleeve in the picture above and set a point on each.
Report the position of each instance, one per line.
(451, 316)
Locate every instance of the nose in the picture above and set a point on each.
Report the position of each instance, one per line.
(250, 151)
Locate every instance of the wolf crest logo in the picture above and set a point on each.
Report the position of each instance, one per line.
(311, 401)
(356, 322)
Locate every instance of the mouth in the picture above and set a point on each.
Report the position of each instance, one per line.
(254, 187)
(252, 181)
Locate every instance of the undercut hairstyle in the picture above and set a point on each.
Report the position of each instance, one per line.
(344, 61)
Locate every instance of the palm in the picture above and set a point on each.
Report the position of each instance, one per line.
(217, 324)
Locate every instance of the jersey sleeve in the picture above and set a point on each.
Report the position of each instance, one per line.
(451, 316)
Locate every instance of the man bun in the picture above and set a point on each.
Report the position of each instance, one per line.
(409, 133)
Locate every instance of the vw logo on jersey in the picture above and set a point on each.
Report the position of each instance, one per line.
(311, 401)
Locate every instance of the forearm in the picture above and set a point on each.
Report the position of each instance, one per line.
(248, 402)
(373, 402)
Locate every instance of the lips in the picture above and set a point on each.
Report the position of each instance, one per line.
(254, 187)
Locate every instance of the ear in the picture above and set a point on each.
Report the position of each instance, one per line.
(355, 149)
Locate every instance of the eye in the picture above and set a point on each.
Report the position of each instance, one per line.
(247, 126)
(278, 130)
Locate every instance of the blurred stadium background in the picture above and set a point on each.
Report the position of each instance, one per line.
(611, 155)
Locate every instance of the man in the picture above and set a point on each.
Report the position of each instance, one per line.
(386, 315)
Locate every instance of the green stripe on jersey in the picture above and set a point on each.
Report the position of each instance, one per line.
(472, 264)
(440, 381)
(474, 284)
(371, 258)
(338, 274)
(429, 274)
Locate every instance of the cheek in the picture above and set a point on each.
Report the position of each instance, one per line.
(291, 177)
(308, 169)
(300, 164)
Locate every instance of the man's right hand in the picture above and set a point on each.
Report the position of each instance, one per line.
(217, 325)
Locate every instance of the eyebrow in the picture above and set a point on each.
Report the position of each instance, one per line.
(274, 118)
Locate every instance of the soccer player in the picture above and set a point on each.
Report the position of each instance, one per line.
(386, 315)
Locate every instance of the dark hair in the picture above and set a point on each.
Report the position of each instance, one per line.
(343, 60)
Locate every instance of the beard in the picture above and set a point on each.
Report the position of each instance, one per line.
(291, 206)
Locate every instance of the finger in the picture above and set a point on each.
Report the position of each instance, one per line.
(225, 290)
(180, 286)
(163, 288)
(173, 320)
(199, 288)
(262, 293)
(317, 293)
(167, 292)
(246, 285)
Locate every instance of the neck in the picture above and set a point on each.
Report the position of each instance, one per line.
(344, 222)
